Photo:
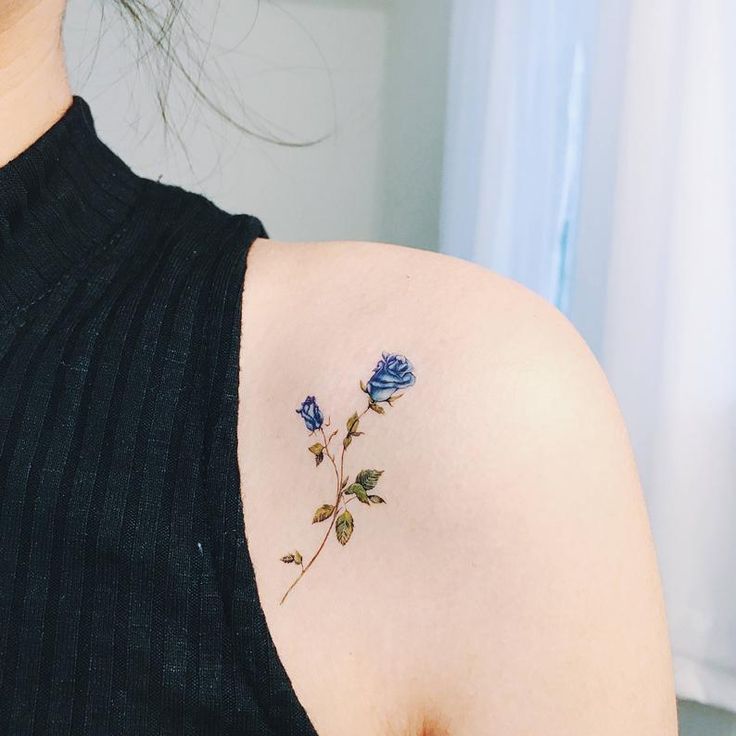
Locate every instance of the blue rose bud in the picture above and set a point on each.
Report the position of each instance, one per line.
(392, 373)
(310, 413)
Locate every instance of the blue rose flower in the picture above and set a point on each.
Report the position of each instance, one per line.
(392, 373)
(310, 413)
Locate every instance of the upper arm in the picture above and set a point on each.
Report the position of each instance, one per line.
(509, 583)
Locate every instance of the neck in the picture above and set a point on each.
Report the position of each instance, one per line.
(34, 89)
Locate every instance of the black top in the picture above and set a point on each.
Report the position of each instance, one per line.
(128, 602)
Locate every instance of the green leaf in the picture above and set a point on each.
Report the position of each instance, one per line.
(298, 557)
(318, 449)
(376, 499)
(323, 512)
(351, 489)
(359, 491)
(368, 478)
(287, 558)
(344, 527)
(352, 423)
(347, 441)
(376, 408)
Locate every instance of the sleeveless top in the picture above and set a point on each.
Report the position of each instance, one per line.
(128, 602)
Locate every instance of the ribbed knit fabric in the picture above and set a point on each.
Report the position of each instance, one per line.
(128, 602)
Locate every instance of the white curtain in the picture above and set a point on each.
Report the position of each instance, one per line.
(516, 100)
(591, 156)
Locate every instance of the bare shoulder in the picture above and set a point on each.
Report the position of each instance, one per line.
(504, 580)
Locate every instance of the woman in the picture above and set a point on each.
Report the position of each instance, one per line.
(445, 528)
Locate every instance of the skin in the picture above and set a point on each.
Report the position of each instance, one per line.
(509, 585)
(34, 88)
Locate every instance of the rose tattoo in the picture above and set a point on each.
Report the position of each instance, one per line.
(393, 373)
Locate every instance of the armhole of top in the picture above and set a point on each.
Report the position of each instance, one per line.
(254, 229)
(272, 687)
(258, 228)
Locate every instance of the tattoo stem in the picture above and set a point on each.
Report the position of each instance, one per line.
(339, 477)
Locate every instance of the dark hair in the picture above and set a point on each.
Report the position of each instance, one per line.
(161, 29)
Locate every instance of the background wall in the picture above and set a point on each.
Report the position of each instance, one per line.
(366, 75)
(696, 719)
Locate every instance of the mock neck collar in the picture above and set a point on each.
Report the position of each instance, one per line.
(61, 199)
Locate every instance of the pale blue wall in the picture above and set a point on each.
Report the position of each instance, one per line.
(700, 720)
(370, 75)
